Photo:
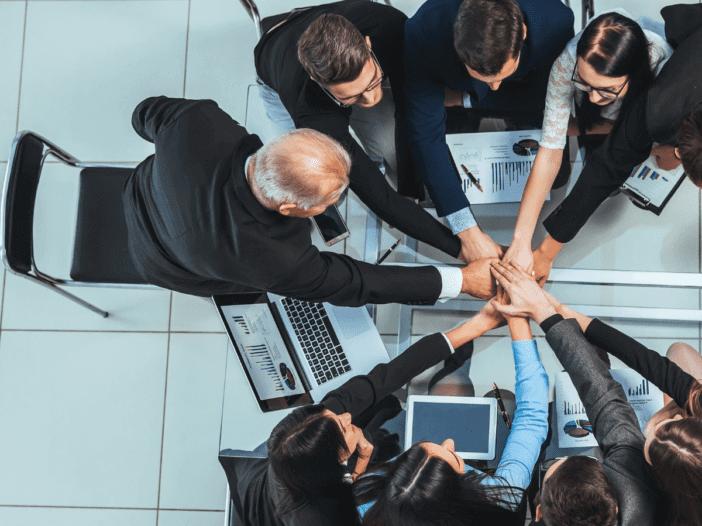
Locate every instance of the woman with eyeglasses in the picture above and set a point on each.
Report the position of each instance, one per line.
(599, 74)
(430, 485)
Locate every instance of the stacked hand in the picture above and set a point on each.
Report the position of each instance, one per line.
(527, 299)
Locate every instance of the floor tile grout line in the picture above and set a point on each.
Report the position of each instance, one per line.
(165, 396)
(19, 88)
(185, 69)
(101, 507)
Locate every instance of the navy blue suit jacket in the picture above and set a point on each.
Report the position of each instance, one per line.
(431, 62)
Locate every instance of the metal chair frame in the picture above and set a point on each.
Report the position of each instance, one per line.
(36, 275)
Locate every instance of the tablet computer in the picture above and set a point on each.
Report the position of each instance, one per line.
(470, 422)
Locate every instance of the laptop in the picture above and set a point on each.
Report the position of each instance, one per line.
(470, 422)
(294, 352)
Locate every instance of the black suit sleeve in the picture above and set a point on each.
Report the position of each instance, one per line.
(613, 420)
(659, 370)
(342, 280)
(156, 113)
(364, 391)
(605, 170)
(369, 184)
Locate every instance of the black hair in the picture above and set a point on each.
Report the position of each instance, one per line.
(487, 33)
(615, 46)
(418, 489)
(305, 450)
(579, 494)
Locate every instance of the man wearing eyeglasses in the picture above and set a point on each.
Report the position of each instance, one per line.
(486, 55)
(324, 68)
(668, 112)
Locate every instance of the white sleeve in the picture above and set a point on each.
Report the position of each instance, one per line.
(559, 100)
(451, 282)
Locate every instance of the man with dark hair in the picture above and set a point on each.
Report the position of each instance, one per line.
(214, 211)
(493, 55)
(324, 68)
(656, 115)
(576, 492)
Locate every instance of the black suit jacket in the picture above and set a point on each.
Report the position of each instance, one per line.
(615, 426)
(195, 226)
(254, 487)
(654, 116)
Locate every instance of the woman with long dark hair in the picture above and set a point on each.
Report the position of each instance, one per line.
(430, 485)
(316, 451)
(599, 74)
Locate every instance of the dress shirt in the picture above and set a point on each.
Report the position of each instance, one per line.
(432, 63)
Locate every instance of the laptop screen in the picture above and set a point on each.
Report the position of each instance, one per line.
(263, 350)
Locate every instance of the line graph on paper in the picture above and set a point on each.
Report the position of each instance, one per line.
(470, 155)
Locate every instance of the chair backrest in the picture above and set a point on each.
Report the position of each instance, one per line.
(19, 197)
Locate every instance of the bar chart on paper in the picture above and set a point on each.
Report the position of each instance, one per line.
(261, 357)
(644, 398)
(652, 183)
(499, 161)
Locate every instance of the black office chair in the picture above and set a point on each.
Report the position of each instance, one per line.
(100, 253)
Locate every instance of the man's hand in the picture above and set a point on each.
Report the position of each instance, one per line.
(665, 157)
(452, 97)
(526, 297)
(475, 244)
(521, 255)
(543, 259)
(477, 280)
(365, 450)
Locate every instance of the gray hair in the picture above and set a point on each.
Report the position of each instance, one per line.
(302, 167)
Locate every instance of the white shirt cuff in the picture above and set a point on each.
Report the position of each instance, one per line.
(449, 343)
(461, 220)
(451, 283)
(466, 100)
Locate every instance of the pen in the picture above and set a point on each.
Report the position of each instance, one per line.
(498, 396)
(472, 177)
(393, 247)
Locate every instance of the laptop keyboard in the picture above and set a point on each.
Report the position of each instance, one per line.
(318, 339)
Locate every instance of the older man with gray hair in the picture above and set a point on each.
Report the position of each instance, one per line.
(216, 212)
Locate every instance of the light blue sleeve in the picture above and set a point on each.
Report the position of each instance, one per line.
(461, 220)
(530, 425)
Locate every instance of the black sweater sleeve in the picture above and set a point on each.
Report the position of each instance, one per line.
(659, 370)
(365, 390)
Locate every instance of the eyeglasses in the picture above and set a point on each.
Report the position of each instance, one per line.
(353, 100)
(602, 92)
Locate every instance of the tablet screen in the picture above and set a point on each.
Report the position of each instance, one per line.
(467, 424)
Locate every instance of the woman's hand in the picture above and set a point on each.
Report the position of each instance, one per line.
(520, 254)
(526, 297)
(364, 450)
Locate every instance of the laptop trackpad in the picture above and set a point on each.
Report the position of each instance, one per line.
(351, 320)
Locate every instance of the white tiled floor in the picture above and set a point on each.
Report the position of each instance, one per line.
(116, 421)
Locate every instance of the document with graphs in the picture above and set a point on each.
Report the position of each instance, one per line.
(500, 162)
(651, 188)
(574, 426)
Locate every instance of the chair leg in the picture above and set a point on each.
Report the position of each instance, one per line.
(66, 294)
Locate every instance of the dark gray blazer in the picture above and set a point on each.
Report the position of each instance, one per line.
(614, 423)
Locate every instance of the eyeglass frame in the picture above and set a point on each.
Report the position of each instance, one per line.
(370, 87)
(582, 86)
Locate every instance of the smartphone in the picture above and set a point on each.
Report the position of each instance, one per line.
(331, 226)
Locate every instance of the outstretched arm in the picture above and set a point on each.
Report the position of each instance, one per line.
(363, 391)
